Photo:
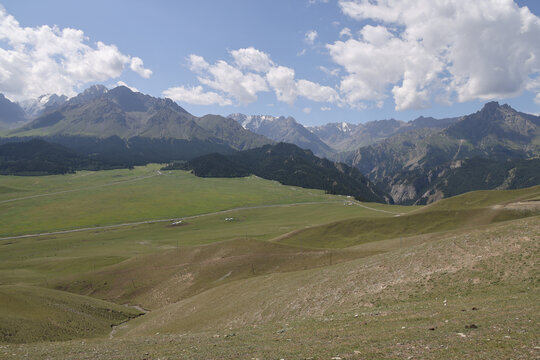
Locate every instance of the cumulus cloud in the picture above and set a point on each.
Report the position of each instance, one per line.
(252, 59)
(226, 78)
(537, 99)
(311, 36)
(345, 32)
(138, 66)
(443, 50)
(281, 79)
(195, 95)
(45, 59)
(316, 92)
(251, 72)
(306, 110)
(326, 108)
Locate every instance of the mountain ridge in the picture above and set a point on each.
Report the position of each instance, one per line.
(290, 165)
(408, 164)
(283, 129)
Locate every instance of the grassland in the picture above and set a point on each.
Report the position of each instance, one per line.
(470, 210)
(311, 276)
(89, 199)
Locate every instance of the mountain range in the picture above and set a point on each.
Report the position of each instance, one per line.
(123, 126)
(409, 165)
(284, 129)
(419, 161)
(344, 136)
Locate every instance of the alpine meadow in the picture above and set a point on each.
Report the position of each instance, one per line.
(316, 179)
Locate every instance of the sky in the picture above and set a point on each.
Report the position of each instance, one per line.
(319, 61)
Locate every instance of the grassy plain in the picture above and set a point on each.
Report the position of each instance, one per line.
(311, 276)
(89, 199)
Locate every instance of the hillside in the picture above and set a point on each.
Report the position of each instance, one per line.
(411, 164)
(101, 113)
(26, 314)
(233, 133)
(38, 157)
(98, 112)
(11, 114)
(121, 126)
(337, 277)
(41, 105)
(289, 165)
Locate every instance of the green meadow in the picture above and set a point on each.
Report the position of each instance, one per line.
(259, 270)
(89, 199)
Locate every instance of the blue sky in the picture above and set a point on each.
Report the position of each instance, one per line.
(319, 61)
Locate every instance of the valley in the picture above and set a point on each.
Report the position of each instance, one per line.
(373, 192)
(276, 271)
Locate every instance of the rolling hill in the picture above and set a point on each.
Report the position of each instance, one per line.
(328, 277)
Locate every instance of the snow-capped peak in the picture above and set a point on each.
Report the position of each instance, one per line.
(344, 127)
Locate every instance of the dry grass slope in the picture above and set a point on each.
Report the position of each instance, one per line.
(419, 302)
(29, 314)
(457, 279)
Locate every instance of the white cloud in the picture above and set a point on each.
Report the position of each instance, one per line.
(195, 95)
(287, 89)
(307, 110)
(252, 59)
(121, 83)
(137, 66)
(316, 92)
(44, 59)
(197, 63)
(311, 2)
(345, 32)
(330, 72)
(326, 108)
(537, 99)
(447, 50)
(281, 79)
(251, 72)
(311, 36)
(228, 79)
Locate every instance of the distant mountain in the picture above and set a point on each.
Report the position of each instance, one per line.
(289, 165)
(43, 104)
(118, 112)
(119, 124)
(11, 114)
(38, 157)
(236, 136)
(409, 163)
(283, 129)
(347, 137)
